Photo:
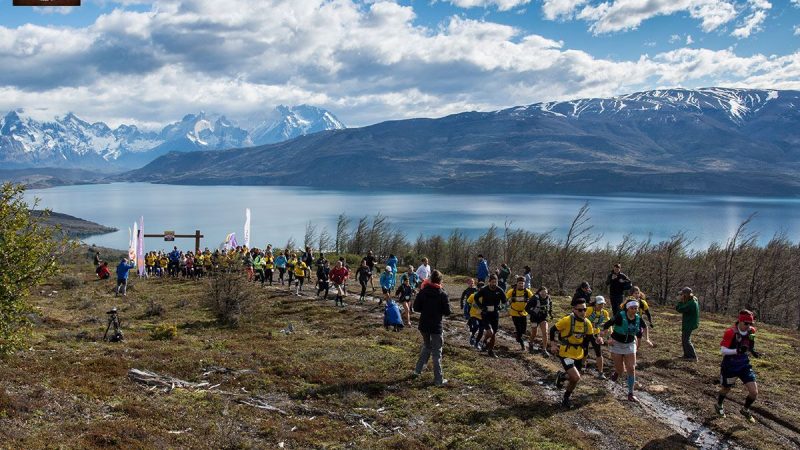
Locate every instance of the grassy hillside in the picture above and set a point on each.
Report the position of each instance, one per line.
(342, 381)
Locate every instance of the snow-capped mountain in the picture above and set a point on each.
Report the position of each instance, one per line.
(734, 104)
(715, 140)
(72, 142)
(286, 123)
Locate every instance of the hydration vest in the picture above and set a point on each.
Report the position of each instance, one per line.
(565, 339)
(628, 328)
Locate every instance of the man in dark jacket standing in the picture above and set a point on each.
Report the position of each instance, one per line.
(617, 283)
(432, 304)
(689, 308)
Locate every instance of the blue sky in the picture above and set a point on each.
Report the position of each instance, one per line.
(152, 62)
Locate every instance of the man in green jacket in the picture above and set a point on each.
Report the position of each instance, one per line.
(689, 307)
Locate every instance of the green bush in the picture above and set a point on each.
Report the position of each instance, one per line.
(164, 332)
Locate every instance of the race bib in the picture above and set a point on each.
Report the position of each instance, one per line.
(490, 308)
(568, 361)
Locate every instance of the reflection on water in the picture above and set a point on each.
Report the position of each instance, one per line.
(279, 213)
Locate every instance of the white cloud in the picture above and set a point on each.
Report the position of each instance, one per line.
(365, 62)
(674, 38)
(629, 14)
(797, 29)
(689, 40)
(554, 9)
(753, 22)
(502, 5)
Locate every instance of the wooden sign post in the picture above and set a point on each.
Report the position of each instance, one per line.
(170, 236)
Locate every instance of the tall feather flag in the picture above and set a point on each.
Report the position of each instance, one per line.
(140, 249)
(247, 228)
(230, 242)
(134, 239)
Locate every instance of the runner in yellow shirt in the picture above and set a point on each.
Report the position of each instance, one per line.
(572, 330)
(517, 301)
(598, 316)
(300, 274)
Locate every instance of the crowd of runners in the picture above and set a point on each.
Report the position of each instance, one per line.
(620, 322)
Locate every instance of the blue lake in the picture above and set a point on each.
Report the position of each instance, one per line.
(278, 213)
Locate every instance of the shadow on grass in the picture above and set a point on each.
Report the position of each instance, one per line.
(522, 411)
(371, 389)
(660, 363)
(668, 443)
(201, 325)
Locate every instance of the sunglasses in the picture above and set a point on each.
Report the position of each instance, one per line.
(580, 309)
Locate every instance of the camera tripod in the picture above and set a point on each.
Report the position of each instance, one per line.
(113, 321)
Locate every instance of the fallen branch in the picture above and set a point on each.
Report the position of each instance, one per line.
(161, 381)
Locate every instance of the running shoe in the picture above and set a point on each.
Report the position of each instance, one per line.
(545, 353)
(566, 403)
(748, 415)
(601, 376)
(614, 377)
(522, 346)
(491, 354)
(719, 409)
(632, 398)
(472, 341)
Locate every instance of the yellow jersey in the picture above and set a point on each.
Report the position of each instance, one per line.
(268, 262)
(474, 308)
(518, 299)
(643, 306)
(573, 330)
(597, 318)
(300, 269)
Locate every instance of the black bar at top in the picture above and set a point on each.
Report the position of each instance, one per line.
(47, 2)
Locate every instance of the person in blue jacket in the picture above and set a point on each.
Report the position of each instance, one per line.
(174, 259)
(122, 276)
(483, 269)
(392, 262)
(387, 284)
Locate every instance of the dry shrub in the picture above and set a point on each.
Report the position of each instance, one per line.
(229, 295)
(71, 281)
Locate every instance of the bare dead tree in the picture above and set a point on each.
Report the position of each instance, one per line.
(578, 240)
(310, 235)
(342, 236)
(741, 239)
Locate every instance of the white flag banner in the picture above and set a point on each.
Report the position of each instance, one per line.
(134, 239)
(140, 248)
(247, 228)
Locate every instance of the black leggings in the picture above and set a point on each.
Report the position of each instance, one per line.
(324, 286)
(300, 281)
(598, 351)
(521, 325)
(363, 284)
(291, 275)
(268, 275)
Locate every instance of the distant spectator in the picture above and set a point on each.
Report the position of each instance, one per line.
(102, 271)
(689, 307)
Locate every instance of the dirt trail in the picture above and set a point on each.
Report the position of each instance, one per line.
(681, 422)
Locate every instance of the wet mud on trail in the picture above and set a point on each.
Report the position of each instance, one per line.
(676, 419)
(684, 427)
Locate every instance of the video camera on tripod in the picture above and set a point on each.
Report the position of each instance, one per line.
(113, 321)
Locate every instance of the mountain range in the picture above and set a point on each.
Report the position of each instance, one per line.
(72, 142)
(711, 140)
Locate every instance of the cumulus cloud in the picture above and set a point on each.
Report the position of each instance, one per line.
(689, 40)
(366, 62)
(554, 9)
(621, 15)
(502, 5)
(797, 29)
(753, 22)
